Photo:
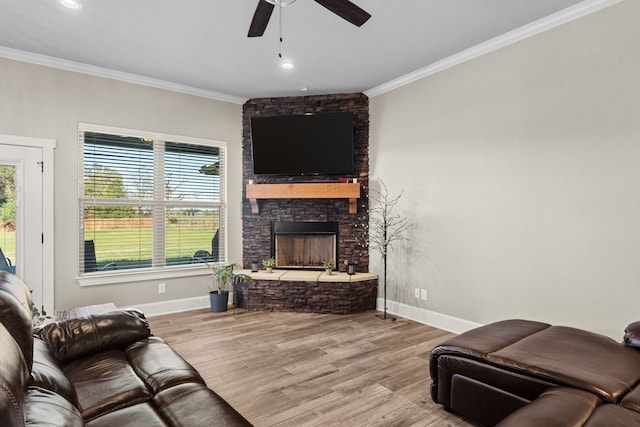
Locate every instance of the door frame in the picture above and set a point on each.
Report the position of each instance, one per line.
(47, 146)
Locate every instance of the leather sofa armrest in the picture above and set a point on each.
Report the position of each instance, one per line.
(73, 338)
(632, 335)
(556, 407)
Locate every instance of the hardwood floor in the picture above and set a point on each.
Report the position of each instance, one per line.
(296, 369)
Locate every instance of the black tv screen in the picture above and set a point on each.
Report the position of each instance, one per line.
(314, 144)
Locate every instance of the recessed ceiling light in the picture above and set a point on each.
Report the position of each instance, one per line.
(303, 88)
(287, 65)
(71, 4)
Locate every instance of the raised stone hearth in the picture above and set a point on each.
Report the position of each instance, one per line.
(307, 292)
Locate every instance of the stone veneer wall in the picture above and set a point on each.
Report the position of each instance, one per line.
(307, 297)
(353, 229)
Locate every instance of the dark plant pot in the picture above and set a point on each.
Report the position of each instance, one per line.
(219, 302)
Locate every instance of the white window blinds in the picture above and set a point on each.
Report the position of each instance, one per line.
(149, 202)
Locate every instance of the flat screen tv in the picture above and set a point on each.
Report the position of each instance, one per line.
(314, 144)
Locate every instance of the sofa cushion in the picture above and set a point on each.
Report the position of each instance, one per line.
(613, 416)
(576, 358)
(195, 405)
(74, 338)
(557, 407)
(13, 381)
(632, 399)
(45, 408)
(105, 382)
(479, 342)
(489, 338)
(16, 314)
(47, 374)
(138, 415)
(159, 365)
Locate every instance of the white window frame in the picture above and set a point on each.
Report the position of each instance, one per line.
(153, 273)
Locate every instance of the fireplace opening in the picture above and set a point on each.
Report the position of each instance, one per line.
(304, 245)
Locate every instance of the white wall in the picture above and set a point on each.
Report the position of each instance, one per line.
(521, 170)
(44, 102)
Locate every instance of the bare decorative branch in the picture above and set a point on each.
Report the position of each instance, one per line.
(386, 227)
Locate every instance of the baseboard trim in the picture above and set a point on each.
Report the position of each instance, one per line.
(428, 317)
(421, 315)
(173, 306)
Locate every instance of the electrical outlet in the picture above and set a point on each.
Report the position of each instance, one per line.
(423, 294)
(162, 288)
(416, 292)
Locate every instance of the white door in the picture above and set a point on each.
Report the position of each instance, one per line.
(22, 219)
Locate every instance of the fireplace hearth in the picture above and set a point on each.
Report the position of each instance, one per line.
(304, 245)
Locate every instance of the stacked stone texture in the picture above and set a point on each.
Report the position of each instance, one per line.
(353, 229)
(307, 297)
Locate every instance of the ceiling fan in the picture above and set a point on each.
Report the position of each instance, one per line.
(343, 8)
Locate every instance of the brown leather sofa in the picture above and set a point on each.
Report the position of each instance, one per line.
(99, 370)
(520, 373)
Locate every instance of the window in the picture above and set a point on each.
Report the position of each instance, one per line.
(148, 201)
(8, 217)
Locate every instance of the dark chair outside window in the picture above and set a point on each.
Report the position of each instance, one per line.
(5, 264)
(215, 247)
(203, 256)
(90, 263)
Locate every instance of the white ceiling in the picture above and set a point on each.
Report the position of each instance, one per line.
(202, 45)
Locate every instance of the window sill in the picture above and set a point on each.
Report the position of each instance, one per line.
(114, 278)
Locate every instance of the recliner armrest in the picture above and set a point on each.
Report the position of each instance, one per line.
(556, 407)
(632, 335)
(73, 338)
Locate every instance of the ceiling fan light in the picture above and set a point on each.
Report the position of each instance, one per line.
(280, 2)
(71, 4)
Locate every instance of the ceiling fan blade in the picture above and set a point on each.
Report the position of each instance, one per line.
(346, 10)
(260, 19)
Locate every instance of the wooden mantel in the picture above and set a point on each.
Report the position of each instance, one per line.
(311, 190)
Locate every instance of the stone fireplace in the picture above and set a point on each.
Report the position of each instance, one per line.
(301, 233)
(304, 245)
(351, 237)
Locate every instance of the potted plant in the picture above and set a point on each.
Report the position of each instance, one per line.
(223, 277)
(269, 264)
(329, 266)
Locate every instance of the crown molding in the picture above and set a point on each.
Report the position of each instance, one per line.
(77, 67)
(555, 20)
(564, 16)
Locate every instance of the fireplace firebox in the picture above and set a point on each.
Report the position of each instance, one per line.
(304, 245)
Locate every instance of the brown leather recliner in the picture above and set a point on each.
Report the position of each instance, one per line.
(100, 370)
(524, 373)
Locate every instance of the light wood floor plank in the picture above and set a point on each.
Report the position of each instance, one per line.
(305, 370)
